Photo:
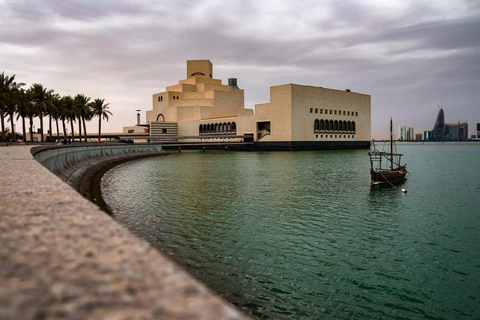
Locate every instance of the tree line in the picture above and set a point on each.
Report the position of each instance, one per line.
(38, 101)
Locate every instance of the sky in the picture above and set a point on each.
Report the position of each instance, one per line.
(410, 56)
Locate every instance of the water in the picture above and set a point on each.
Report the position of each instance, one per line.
(302, 235)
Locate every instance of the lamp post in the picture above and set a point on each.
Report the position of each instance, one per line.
(138, 117)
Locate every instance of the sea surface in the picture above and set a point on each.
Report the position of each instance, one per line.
(303, 235)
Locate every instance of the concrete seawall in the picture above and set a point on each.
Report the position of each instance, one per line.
(62, 257)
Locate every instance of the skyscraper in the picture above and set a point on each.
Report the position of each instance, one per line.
(456, 131)
(402, 133)
(427, 135)
(410, 134)
(438, 132)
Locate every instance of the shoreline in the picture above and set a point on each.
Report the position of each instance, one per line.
(93, 191)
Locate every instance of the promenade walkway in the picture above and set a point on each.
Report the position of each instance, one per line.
(63, 258)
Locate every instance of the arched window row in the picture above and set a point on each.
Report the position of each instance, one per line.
(217, 128)
(337, 126)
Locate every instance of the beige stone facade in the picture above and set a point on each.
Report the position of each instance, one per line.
(207, 110)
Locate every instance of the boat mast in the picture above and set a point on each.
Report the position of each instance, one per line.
(391, 145)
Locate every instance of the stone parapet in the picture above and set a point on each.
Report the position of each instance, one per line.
(63, 258)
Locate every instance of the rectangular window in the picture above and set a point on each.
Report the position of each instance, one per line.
(326, 111)
(316, 110)
(330, 111)
(321, 111)
(343, 112)
(311, 110)
(164, 130)
(356, 114)
(335, 112)
(348, 113)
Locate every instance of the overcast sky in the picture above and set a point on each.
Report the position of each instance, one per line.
(408, 55)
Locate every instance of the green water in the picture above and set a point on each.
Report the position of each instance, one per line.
(302, 235)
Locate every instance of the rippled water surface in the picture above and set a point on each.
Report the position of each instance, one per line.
(303, 235)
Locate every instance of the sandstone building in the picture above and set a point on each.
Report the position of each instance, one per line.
(202, 109)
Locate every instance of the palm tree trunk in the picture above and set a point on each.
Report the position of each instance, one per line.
(41, 129)
(24, 130)
(64, 129)
(99, 128)
(79, 129)
(3, 124)
(84, 129)
(73, 131)
(50, 127)
(58, 131)
(14, 136)
(31, 129)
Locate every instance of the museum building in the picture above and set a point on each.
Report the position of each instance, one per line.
(202, 109)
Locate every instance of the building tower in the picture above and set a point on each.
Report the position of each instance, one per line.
(438, 132)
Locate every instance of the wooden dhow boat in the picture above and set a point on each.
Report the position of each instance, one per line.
(385, 166)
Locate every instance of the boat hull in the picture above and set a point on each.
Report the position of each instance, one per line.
(386, 176)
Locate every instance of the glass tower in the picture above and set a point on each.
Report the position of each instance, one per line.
(438, 132)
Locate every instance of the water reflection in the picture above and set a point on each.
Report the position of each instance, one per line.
(303, 235)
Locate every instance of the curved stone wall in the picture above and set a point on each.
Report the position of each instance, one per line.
(64, 160)
(63, 258)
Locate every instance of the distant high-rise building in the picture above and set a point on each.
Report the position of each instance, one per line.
(478, 130)
(410, 134)
(427, 135)
(456, 131)
(402, 130)
(438, 132)
(418, 136)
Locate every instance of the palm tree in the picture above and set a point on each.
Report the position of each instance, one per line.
(87, 116)
(40, 102)
(50, 112)
(70, 112)
(100, 109)
(23, 105)
(13, 107)
(64, 114)
(81, 103)
(56, 111)
(30, 110)
(8, 87)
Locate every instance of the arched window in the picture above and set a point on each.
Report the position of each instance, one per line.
(327, 125)
(331, 124)
(200, 131)
(234, 128)
(224, 127)
(322, 125)
(209, 129)
(340, 125)
(229, 127)
(353, 126)
(316, 126)
(335, 125)
(216, 127)
(161, 115)
(349, 126)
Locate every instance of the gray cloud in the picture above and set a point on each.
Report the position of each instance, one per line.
(408, 56)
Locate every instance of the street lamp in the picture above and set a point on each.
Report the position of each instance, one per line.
(138, 117)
